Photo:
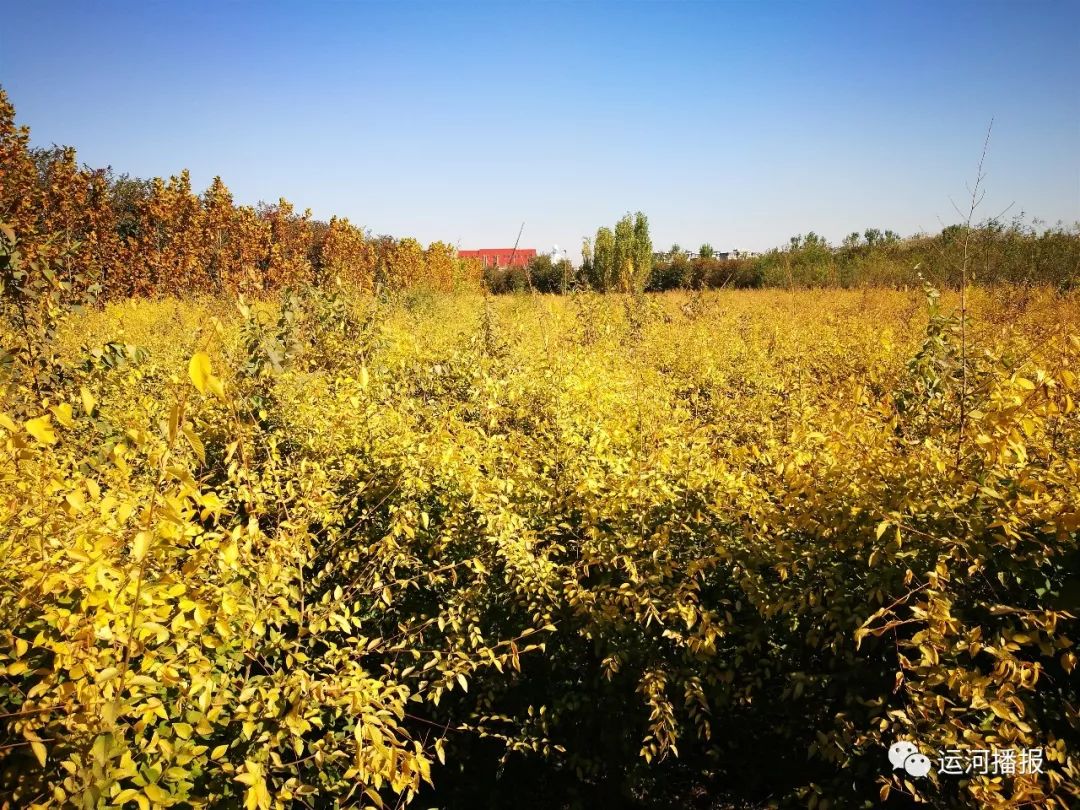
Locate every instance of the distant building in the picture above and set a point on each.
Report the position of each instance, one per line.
(500, 257)
(667, 255)
(721, 255)
(737, 254)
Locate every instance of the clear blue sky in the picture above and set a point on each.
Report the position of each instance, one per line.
(734, 123)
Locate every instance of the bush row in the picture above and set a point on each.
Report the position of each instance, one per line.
(128, 236)
(992, 252)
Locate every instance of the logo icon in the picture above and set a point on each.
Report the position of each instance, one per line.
(905, 754)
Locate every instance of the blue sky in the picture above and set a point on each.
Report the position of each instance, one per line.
(739, 124)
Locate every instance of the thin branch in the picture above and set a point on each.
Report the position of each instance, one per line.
(976, 199)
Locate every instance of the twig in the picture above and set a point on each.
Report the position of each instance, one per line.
(976, 198)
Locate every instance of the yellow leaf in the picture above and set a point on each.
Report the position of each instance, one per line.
(195, 442)
(124, 796)
(156, 794)
(142, 543)
(39, 751)
(175, 417)
(63, 414)
(41, 429)
(75, 501)
(217, 387)
(106, 674)
(199, 371)
(88, 401)
(109, 710)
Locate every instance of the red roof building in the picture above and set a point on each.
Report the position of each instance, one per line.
(500, 257)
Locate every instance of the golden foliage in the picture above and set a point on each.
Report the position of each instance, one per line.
(299, 551)
(295, 551)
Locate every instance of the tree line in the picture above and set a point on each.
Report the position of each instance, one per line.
(127, 236)
(1017, 251)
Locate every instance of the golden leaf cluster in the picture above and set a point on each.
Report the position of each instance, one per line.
(306, 550)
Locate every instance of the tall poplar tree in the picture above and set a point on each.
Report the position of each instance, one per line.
(643, 252)
(624, 253)
(603, 264)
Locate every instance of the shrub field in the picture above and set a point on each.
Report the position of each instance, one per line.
(295, 516)
(336, 549)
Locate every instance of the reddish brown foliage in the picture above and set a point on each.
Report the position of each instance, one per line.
(136, 238)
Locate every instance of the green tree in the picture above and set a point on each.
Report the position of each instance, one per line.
(586, 258)
(706, 251)
(603, 264)
(623, 259)
(643, 251)
(549, 276)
